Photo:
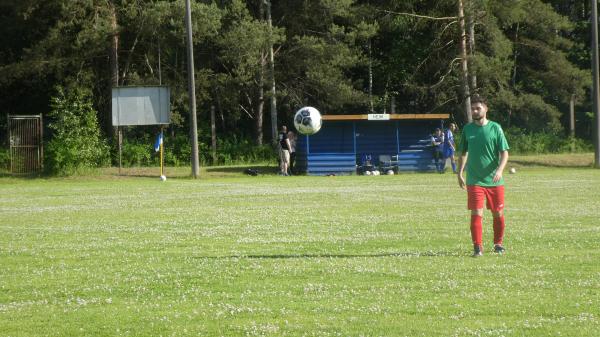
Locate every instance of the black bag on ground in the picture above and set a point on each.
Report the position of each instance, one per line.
(251, 172)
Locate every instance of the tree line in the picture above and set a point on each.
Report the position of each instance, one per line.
(529, 57)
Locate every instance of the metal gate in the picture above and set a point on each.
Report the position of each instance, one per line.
(26, 148)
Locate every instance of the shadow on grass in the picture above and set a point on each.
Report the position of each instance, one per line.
(146, 172)
(262, 169)
(334, 256)
(207, 171)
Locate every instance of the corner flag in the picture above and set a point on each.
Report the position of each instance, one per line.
(159, 141)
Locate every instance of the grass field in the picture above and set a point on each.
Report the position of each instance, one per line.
(297, 256)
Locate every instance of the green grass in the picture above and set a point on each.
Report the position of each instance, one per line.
(297, 256)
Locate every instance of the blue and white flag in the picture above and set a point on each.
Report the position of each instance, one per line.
(159, 141)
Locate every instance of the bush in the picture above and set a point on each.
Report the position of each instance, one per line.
(573, 144)
(76, 143)
(523, 142)
(4, 159)
(178, 152)
(137, 154)
(234, 151)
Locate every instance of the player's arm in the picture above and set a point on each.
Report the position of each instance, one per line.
(500, 169)
(289, 146)
(462, 161)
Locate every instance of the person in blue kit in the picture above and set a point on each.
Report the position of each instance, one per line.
(449, 147)
(437, 142)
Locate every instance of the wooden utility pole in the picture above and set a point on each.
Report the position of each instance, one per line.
(260, 107)
(213, 135)
(371, 108)
(272, 68)
(114, 69)
(472, 45)
(192, 92)
(159, 67)
(595, 82)
(114, 47)
(117, 132)
(465, 67)
(572, 116)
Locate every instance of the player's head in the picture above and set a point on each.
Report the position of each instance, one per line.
(438, 131)
(283, 128)
(479, 107)
(452, 127)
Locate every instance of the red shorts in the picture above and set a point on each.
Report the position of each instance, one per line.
(494, 197)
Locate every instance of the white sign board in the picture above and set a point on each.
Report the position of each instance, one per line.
(379, 117)
(141, 105)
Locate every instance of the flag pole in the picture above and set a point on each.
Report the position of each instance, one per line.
(161, 151)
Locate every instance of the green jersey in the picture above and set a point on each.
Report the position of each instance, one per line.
(483, 144)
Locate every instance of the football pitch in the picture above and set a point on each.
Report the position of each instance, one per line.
(297, 256)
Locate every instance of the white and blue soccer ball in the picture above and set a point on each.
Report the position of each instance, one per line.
(308, 120)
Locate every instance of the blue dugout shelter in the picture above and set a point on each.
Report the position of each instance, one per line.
(345, 142)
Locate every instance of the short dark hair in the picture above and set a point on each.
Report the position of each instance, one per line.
(478, 99)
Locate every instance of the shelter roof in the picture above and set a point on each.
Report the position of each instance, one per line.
(384, 117)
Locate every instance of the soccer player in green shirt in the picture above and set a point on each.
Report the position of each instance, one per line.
(483, 152)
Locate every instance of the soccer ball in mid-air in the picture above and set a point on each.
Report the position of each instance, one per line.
(512, 170)
(308, 121)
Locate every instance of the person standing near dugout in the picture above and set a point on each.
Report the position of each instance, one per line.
(437, 143)
(449, 147)
(292, 138)
(284, 151)
(484, 153)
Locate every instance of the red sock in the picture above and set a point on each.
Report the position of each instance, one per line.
(476, 229)
(498, 230)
